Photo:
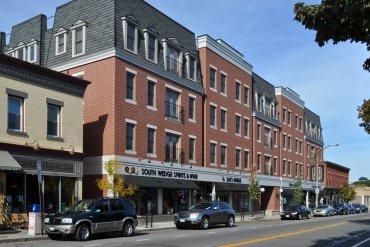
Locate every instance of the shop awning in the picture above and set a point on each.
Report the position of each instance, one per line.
(8, 163)
(160, 182)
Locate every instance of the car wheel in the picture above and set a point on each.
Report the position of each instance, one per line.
(299, 216)
(204, 224)
(54, 236)
(309, 216)
(230, 221)
(128, 229)
(178, 226)
(83, 233)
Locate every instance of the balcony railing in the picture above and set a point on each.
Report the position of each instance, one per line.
(268, 142)
(174, 155)
(174, 112)
(174, 66)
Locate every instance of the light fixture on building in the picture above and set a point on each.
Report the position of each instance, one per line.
(281, 190)
(262, 189)
(70, 149)
(35, 144)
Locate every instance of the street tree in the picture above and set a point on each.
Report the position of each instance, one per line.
(340, 21)
(347, 193)
(254, 188)
(115, 182)
(298, 193)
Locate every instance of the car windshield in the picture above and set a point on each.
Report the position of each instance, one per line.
(83, 205)
(201, 206)
(322, 206)
(294, 208)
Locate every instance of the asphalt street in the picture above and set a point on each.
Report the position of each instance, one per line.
(337, 231)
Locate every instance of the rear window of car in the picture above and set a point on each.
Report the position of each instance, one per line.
(127, 204)
(116, 205)
(224, 206)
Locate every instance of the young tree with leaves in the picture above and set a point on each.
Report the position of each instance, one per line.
(340, 21)
(298, 193)
(347, 193)
(116, 182)
(254, 188)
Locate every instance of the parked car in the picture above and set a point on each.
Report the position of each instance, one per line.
(205, 214)
(324, 210)
(341, 208)
(296, 212)
(91, 216)
(357, 208)
(352, 209)
(364, 209)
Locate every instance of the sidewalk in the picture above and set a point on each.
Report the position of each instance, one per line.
(22, 235)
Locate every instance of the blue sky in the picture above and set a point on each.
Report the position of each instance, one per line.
(329, 79)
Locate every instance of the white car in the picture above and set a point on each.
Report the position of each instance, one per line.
(324, 210)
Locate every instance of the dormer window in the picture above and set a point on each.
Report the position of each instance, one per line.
(151, 45)
(31, 51)
(191, 67)
(20, 52)
(173, 56)
(60, 42)
(130, 34)
(78, 38)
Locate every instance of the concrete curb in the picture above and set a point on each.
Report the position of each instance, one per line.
(25, 239)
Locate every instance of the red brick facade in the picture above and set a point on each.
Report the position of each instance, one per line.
(336, 176)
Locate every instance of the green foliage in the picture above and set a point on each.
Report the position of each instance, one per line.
(117, 182)
(364, 115)
(298, 193)
(362, 183)
(347, 193)
(254, 188)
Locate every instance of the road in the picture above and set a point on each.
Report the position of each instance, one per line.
(338, 231)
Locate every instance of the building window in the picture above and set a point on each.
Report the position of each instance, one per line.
(151, 94)
(20, 53)
(237, 124)
(173, 109)
(237, 91)
(173, 61)
(259, 157)
(78, 40)
(275, 165)
(130, 36)
(296, 145)
(237, 158)
(53, 125)
(191, 149)
(191, 108)
(15, 113)
(275, 138)
(151, 141)
(223, 155)
(258, 132)
(246, 96)
(212, 116)
(223, 88)
(61, 43)
(289, 143)
(32, 52)
(151, 47)
(284, 141)
(173, 151)
(289, 168)
(301, 124)
(246, 159)
(284, 167)
(212, 78)
(212, 153)
(296, 122)
(130, 86)
(267, 138)
(289, 118)
(191, 67)
(246, 127)
(301, 147)
(284, 115)
(297, 169)
(223, 119)
(130, 136)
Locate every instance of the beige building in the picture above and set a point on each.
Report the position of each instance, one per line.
(362, 195)
(42, 133)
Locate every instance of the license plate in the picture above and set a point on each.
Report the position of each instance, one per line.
(51, 228)
(182, 220)
(287, 216)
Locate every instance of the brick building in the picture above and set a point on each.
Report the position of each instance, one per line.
(187, 117)
(335, 177)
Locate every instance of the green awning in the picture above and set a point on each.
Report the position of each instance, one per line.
(8, 163)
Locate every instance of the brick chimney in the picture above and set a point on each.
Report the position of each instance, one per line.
(2, 42)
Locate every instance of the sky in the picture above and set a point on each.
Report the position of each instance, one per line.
(329, 79)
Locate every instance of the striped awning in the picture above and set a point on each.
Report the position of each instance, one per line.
(8, 163)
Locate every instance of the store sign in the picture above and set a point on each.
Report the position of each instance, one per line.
(232, 179)
(150, 172)
(53, 166)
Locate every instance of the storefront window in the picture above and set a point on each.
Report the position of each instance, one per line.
(175, 200)
(51, 194)
(68, 196)
(182, 200)
(168, 201)
(32, 192)
(147, 200)
(14, 192)
(241, 201)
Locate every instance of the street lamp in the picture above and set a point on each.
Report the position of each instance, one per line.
(317, 174)
(262, 189)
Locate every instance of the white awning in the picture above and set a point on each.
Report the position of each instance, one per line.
(8, 163)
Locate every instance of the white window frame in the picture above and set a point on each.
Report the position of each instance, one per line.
(78, 24)
(22, 47)
(225, 74)
(22, 122)
(237, 82)
(240, 158)
(244, 87)
(259, 138)
(214, 105)
(57, 39)
(215, 69)
(188, 56)
(249, 161)
(125, 22)
(29, 45)
(223, 145)
(133, 151)
(154, 154)
(153, 108)
(225, 110)
(215, 163)
(240, 124)
(193, 119)
(193, 161)
(131, 101)
(59, 130)
(246, 136)
(146, 37)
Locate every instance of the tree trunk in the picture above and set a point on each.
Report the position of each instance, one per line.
(252, 209)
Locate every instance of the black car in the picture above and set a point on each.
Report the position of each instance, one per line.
(296, 212)
(364, 209)
(358, 208)
(91, 216)
(205, 214)
(352, 209)
(341, 208)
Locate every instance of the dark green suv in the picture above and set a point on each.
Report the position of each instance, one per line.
(91, 216)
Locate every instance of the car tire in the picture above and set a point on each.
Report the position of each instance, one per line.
(54, 236)
(128, 229)
(204, 224)
(230, 221)
(179, 227)
(309, 216)
(299, 216)
(83, 233)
